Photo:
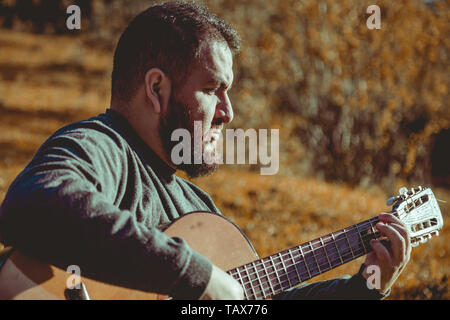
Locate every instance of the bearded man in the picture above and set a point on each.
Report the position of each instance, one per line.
(99, 192)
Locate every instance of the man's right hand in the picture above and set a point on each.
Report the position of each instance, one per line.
(222, 286)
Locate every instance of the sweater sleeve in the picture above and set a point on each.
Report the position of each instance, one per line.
(56, 211)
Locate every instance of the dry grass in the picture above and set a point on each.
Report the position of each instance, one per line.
(47, 82)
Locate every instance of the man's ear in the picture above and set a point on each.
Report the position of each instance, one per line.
(157, 89)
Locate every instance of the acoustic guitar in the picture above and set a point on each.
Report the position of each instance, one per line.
(227, 247)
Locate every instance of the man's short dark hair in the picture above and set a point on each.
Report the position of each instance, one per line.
(167, 36)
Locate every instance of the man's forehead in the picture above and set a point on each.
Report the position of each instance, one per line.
(219, 78)
(215, 63)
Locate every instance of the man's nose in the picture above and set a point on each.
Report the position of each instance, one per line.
(224, 110)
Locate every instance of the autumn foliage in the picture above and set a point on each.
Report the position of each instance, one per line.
(360, 111)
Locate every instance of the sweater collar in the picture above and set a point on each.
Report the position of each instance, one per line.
(129, 134)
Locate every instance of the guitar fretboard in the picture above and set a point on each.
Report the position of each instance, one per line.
(274, 274)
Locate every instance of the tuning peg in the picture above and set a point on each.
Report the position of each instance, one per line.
(403, 190)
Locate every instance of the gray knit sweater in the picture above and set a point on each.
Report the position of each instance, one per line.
(95, 195)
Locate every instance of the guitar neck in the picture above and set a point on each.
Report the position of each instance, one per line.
(279, 272)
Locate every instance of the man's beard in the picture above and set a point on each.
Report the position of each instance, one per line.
(179, 116)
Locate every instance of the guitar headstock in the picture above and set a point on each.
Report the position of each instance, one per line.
(419, 210)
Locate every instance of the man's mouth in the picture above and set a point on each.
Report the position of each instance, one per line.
(213, 134)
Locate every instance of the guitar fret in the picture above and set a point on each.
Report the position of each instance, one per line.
(306, 263)
(350, 246)
(314, 255)
(259, 280)
(250, 281)
(337, 248)
(268, 277)
(294, 264)
(285, 269)
(326, 254)
(234, 274)
(242, 283)
(276, 273)
(360, 237)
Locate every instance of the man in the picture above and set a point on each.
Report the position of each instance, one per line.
(98, 192)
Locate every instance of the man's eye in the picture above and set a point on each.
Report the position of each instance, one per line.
(209, 90)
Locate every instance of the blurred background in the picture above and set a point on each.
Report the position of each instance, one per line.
(360, 112)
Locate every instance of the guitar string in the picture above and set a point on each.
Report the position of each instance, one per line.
(290, 264)
(323, 262)
(355, 254)
(297, 278)
(288, 274)
(282, 283)
(286, 252)
(364, 238)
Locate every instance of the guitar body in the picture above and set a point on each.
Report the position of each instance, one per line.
(225, 245)
(212, 235)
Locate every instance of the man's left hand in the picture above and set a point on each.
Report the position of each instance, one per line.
(392, 258)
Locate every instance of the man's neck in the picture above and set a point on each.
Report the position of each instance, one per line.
(146, 126)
